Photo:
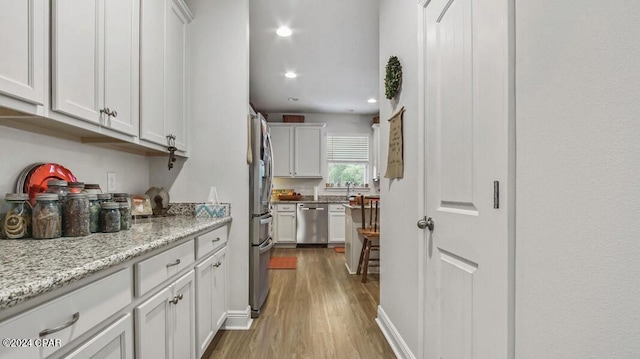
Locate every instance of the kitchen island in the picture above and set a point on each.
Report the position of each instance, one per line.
(353, 239)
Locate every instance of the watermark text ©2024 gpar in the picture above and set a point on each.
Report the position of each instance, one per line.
(31, 343)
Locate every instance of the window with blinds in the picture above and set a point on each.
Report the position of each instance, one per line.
(347, 160)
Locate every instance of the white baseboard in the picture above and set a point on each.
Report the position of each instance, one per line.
(398, 345)
(238, 319)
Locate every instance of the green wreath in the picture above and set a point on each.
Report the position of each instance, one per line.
(393, 78)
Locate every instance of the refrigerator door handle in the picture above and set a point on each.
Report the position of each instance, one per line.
(266, 220)
(268, 245)
(271, 160)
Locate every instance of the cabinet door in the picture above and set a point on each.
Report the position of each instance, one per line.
(114, 342)
(204, 303)
(175, 45)
(308, 152)
(211, 303)
(22, 40)
(152, 71)
(220, 289)
(336, 227)
(121, 67)
(286, 227)
(77, 58)
(282, 142)
(183, 326)
(153, 326)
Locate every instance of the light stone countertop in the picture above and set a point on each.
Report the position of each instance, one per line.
(29, 268)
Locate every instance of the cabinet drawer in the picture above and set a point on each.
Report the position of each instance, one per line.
(157, 269)
(336, 208)
(73, 314)
(210, 241)
(286, 207)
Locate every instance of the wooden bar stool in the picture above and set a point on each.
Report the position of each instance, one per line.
(369, 233)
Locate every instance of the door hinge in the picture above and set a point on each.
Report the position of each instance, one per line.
(496, 194)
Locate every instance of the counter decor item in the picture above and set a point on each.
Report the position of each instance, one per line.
(293, 118)
(212, 208)
(59, 187)
(76, 187)
(110, 217)
(94, 213)
(16, 216)
(125, 216)
(141, 206)
(37, 179)
(393, 78)
(294, 196)
(92, 188)
(75, 215)
(47, 217)
(159, 200)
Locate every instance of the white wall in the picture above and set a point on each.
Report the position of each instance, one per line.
(578, 179)
(88, 163)
(336, 124)
(218, 75)
(399, 212)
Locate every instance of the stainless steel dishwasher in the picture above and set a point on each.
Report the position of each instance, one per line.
(312, 223)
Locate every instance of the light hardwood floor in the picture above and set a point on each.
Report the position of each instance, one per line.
(315, 311)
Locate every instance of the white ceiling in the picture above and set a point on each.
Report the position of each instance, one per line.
(333, 48)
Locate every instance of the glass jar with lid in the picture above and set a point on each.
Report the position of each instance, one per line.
(121, 197)
(58, 187)
(110, 217)
(75, 215)
(75, 187)
(104, 197)
(15, 216)
(92, 188)
(47, 217)
(125, 216)
(94, 213)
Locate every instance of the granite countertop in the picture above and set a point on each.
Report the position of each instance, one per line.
(29, 268)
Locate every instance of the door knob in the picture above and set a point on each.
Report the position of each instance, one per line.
(426, 223)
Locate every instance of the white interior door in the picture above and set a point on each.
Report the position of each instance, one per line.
(468, 309)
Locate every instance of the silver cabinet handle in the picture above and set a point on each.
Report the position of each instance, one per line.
(174, 263)
(73, 321)
(217, 264)
(217, 239)
(114, 113)
(176, 299)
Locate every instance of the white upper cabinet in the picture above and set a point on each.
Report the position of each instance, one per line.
(95, 67)
(163, 72)
(297, 150)
(282, 144)
(308, 152)
(23, 38)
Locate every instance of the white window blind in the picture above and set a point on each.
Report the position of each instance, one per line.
(343, 148)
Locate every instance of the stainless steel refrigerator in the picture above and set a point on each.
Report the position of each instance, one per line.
(260, 232)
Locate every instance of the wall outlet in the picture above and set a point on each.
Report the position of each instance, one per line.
(111, 181)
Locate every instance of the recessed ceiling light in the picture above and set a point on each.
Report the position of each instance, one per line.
(372, 100)
(292, 99)
(290, 75)
(283, 31)
(349, 110)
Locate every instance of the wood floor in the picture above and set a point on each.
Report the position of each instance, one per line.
(315, 311)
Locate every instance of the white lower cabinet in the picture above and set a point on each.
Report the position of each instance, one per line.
(113, 342)
(211, 298)
(165, 323)
(336, 223)
(68, 317)
(286, 227)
